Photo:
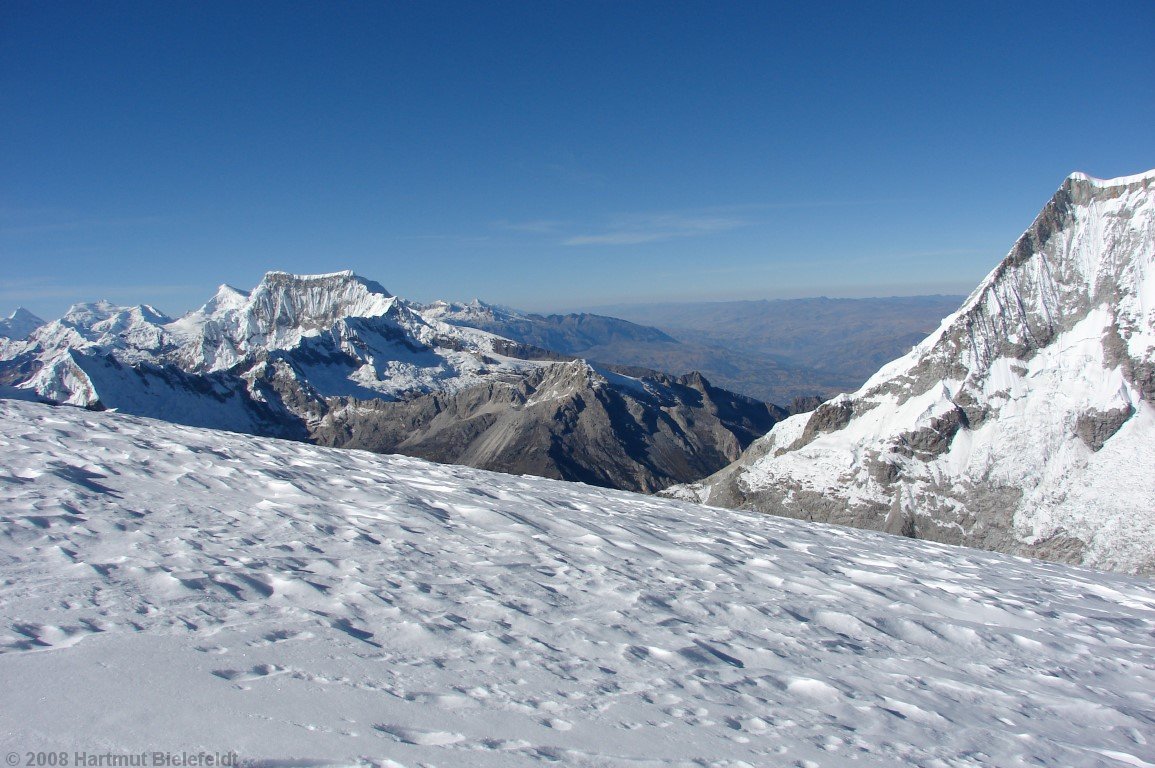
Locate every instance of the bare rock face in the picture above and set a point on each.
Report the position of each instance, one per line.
(1024, 424)
(1096, 427)
(336, 359)
(566, 421)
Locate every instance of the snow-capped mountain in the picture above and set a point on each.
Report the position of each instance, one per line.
(360, 338)
(572, 334)
(1024, 424)
(19, 324)
(171, 589)
(338, 360)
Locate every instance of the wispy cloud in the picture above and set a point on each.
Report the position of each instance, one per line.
(453, 239)
(537, 227)
(652, 228)
(567, 167)
(639, 228)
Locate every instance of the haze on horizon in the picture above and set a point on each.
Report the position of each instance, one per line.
(549, 156)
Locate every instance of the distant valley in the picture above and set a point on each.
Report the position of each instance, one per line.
(781, 349)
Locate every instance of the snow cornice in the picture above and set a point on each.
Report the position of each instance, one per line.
(275, 274)
(1120, 181)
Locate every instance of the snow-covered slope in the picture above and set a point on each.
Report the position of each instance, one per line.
(338, 360)
(173, 589)
(572, 334)
(1024, 424)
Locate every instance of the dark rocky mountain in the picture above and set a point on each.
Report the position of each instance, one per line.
(568, 421)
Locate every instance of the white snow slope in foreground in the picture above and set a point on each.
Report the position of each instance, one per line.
(172, 588)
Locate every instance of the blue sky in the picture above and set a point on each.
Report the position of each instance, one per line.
(550, 155)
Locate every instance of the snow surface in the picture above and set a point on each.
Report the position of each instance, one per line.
(172, 588)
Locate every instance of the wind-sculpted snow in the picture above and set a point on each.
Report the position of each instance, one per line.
(1024, 424)
(176, 589)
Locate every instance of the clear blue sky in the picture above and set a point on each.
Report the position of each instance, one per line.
(550, 155)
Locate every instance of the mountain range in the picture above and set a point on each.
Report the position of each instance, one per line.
(1023, 424)
(779, 351)
(337, 360)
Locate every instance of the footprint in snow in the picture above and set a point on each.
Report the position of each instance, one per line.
(255, 673)
(557, 724)
(419, 737)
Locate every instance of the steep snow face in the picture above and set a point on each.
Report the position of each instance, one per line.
(1025, 423)
(177, 589)
(281, 311)
(19, 324)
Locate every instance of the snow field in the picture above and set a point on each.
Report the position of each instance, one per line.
(171, 588)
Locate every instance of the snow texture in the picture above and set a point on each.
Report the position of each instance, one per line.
(172, 588)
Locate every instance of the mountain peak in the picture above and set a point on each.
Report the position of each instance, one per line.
(314, 302)
(281, 310)
(23, 314)
(1019, 424)
(98, 314)
(19, 324)
(343, 278)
